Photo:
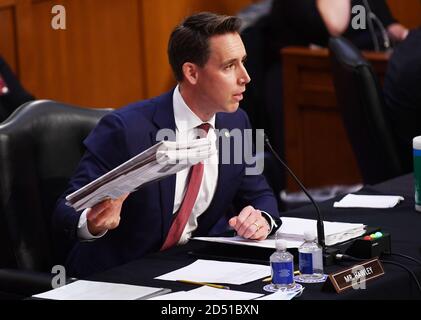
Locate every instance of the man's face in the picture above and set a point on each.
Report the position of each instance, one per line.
(222, 80)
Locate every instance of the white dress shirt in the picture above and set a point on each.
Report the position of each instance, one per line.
(186, 130)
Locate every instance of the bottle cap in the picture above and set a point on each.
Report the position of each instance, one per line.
(309, 235)
(281, 244)
(416, 143)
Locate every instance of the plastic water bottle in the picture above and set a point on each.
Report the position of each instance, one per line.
(282, 265)
(310, 256)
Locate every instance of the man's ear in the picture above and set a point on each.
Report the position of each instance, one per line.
(190, 71)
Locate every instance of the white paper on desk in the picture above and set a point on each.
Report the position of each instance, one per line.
(267, 243)
(93, 290)
(368, 201)
(218, 272)
(292, 230)
(335, 232)
(279, 295)
(209, 293)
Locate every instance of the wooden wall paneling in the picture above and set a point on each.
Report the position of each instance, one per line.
(408, 12)
(96, 61)
(7, 33)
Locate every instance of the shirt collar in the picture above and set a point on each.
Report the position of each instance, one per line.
(185, 118)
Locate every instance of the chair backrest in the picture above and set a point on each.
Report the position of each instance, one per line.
(361, 102)
(40, 146)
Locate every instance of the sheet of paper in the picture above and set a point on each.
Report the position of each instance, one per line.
(209, 293)
(93, 290)
(267, 243)
(368, 201)
(280, 295)
(219, 272)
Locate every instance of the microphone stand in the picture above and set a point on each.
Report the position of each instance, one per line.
(328, 253)
(385, 36)
(320, 227)
(371, 16)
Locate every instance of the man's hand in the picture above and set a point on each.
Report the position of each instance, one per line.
(105, 215)
(397, 32)
(250, 224)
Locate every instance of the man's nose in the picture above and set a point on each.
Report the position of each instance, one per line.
(244, 76)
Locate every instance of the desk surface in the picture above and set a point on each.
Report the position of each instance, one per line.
(402, 222)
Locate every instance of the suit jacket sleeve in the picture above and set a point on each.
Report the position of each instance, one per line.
(105, 149)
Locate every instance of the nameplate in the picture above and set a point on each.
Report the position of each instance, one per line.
(356, 276)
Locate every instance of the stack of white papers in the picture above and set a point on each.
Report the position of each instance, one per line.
(292, 230)
(335, 232)
(92, 290)
(237, 240)
(161, 160)
(212, 271)
(364, 201)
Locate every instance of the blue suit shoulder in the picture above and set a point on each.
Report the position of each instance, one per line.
(127, 131)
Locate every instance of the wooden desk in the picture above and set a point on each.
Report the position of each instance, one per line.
(316, 143)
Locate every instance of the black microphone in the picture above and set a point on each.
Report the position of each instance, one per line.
(320, 227)
(371, 27)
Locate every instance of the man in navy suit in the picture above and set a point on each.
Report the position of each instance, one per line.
(207, 56)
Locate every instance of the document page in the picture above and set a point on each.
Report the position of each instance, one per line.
(209, 293)
(159, 161)
(368, 201)
(93, 290)
(212, 271)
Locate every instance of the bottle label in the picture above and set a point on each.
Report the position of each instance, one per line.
(417, 176)
(306, 263)
(282, 272)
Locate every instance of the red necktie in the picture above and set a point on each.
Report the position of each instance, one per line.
(186, 207)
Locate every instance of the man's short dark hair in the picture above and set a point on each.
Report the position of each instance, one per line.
(189, 41)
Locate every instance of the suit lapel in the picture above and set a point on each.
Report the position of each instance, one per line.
(164, 119)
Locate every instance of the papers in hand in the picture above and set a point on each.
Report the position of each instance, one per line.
(365, 201)
(159, 161)
(92, 290)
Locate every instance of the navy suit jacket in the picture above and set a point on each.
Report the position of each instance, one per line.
(147, 213)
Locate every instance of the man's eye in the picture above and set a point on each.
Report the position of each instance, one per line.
(230, 66)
